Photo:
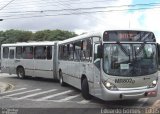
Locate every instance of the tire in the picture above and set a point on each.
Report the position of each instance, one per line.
(62, 83)
(21, 73)
(85, 89)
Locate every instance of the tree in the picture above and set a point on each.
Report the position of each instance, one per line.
(41, 35)
(54, 35)
(61, 35)
(12, 36)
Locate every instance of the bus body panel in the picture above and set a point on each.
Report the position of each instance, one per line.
(28, 65)
(97, 82)
(87, 70)
(73, 71)
(4, 66)
(44, 68)
(33, 67)
(131, 83)
(128, 87)
(121, 95)
(70, 73)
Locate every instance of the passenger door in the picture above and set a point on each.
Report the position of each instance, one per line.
(4, 60)
(96, 68)
(11, 60)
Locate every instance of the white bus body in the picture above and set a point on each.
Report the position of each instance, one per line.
(111, 65)
(30, 59)
(81, 66)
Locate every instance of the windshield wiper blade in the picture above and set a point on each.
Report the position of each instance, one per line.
(140, 49)
(123, 49)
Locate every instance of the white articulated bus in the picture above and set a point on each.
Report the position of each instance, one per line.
(30, 59)
(111, 65)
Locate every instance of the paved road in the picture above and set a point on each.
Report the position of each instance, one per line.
(46, 95)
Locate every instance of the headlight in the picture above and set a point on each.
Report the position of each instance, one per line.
(110, 86)
(154, 83)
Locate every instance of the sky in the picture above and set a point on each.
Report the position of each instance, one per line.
(80, 15)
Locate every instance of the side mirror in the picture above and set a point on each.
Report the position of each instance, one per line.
(99, 51)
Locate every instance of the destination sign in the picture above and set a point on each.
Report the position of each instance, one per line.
(128, 36)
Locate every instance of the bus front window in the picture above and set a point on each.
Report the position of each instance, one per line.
(129, 59)
(145, 61)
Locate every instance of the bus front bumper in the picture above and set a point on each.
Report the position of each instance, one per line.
(128, 94)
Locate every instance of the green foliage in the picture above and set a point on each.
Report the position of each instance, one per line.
(52, 35)
(12, 36)
(41, 35)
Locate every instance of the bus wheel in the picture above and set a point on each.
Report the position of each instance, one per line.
(62, 83)
(21, 73)
(85, 89)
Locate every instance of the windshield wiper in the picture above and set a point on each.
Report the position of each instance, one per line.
(129, 55)
(123, 49)
(135, 59)
(140, 49)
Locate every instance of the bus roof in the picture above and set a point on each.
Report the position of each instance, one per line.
(99, 34)
(87, 35)
(41, 43)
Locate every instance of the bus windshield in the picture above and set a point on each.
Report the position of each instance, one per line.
(130, 59)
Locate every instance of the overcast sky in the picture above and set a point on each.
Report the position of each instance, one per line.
(54, 14)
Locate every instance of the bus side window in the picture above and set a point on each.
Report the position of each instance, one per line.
(5, 52)
(71, 51)
(28, 52)
(18, 52)
(77, 51)
(87, 50)
(40, 52)
(65, 54)
(61, 52)
(11, 54)
(49, 52)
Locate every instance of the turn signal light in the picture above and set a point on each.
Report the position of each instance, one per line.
(151, 93)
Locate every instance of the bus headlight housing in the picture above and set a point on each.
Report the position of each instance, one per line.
(110, 86)
(154, 83)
